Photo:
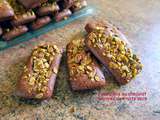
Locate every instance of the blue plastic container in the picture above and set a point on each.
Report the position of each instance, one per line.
(52, 25)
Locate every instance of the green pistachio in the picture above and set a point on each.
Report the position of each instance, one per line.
(39, 96)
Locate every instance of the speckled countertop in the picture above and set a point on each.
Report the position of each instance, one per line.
(140, 21)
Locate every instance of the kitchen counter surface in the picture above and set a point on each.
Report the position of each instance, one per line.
(140, 21)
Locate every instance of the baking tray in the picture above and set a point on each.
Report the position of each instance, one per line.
(52, 25)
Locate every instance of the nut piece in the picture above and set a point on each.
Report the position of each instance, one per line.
(55, 70)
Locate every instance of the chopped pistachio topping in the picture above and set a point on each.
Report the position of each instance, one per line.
(97, 78)
(115, 50)
(81, 61)
(42, 58)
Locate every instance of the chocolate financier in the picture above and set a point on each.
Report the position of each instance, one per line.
(107, 44)
(30, 4)
(84, 71)
(14, 32)
(39, 75)
(6, 11)
(40, 22)
(63, 15)
(47, 9)
(79, 4)
(22, 16)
